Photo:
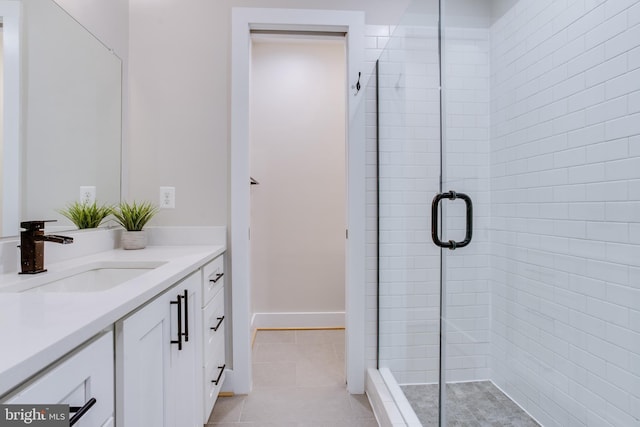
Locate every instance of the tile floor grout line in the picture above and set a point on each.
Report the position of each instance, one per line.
(244, 400)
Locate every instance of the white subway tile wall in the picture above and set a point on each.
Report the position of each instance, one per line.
(565, 210)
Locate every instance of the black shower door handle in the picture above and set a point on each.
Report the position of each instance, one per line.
(451, 244)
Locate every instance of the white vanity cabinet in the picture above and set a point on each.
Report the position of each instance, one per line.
(83, 379)
(158, 352)
(213, 330)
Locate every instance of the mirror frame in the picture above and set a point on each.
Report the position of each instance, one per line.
(11, 12)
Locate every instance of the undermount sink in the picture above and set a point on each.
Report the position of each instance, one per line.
(96, 277)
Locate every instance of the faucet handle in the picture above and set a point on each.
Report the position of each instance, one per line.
(35, 225)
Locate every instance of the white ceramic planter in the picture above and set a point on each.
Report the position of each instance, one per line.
(134, 239)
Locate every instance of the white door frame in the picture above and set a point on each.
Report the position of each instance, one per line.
(351, 22)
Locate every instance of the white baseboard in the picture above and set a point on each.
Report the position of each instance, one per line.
(332, 319)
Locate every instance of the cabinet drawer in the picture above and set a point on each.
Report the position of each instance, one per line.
(213, 350)
(213, 368)
(214, 325)
(214, 375)
(84, 375)
(212, 279)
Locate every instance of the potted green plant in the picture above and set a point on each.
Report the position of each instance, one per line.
(133, 217)
(86, 215)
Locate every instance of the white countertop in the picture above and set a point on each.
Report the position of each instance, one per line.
(37, 328)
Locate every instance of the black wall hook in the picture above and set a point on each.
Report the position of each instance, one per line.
(357, 85)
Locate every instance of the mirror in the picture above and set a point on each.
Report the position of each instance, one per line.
(69, 114)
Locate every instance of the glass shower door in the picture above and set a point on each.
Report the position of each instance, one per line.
(409, 165)
(465, 302)
(469, 346)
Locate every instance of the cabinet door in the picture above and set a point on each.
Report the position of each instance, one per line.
(143, 365)
(158, 355)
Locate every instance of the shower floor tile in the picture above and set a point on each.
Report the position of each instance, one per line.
(472, 404)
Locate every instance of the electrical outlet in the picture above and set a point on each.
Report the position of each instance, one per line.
(87, 194)
(167, 197)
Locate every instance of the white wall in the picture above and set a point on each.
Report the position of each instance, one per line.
(180, 81)
(108, 20)
(565, 179)
(298, 156)
(500, 7)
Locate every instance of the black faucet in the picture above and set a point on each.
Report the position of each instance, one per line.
(32, 246)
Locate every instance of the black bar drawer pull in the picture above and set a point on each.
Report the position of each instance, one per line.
(451, 244)
(186, 316)
(215, 328)
(217, 380)
(179, 340)
(80, 410)
(218, 277)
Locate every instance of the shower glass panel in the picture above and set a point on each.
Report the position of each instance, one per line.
(409, 177)
(468, 398)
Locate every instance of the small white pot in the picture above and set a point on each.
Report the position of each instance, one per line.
(133, 239)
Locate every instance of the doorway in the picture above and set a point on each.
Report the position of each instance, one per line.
(350, 23)
(298, 194)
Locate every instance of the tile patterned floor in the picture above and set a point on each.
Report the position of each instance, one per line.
(473, 404)
(298, 381)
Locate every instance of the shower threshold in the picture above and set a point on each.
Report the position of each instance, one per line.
(469, 404)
